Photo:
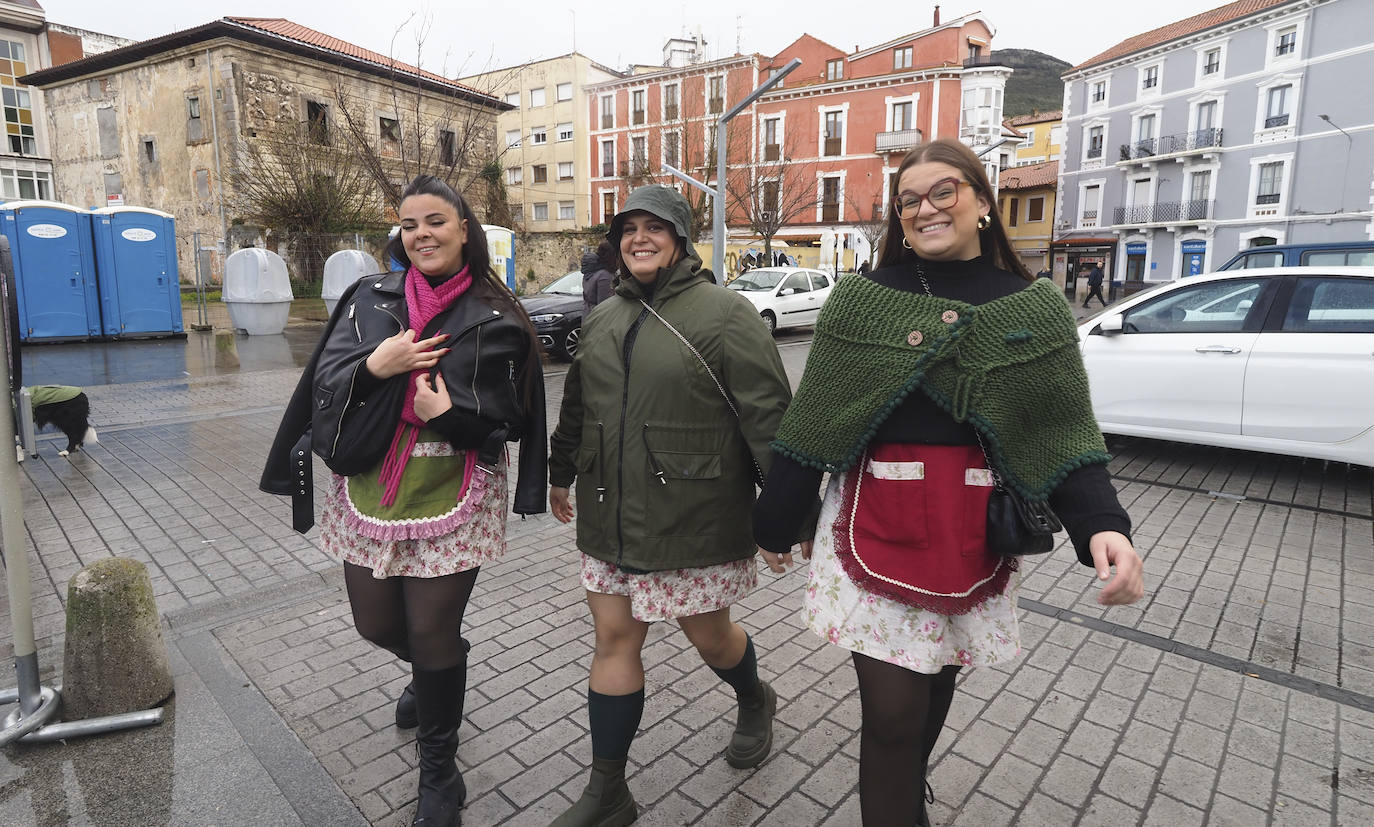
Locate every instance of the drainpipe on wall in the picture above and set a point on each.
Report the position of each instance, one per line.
(214, 141)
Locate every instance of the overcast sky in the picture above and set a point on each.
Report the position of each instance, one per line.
(467, 37)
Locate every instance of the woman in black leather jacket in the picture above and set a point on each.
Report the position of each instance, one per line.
(419, 380)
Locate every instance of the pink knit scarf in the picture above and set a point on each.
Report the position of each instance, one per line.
(423, 303)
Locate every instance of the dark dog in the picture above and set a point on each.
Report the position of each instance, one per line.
(67, 409)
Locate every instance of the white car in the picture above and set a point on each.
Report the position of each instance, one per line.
(785, 296)
(1275, 359)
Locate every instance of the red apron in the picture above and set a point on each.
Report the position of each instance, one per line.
(913, 524)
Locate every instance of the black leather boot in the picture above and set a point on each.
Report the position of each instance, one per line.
(439, 707)
(753, 738)
(606, 802)
(405, 705)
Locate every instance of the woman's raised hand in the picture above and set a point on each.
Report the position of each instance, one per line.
(431, 397)
(402, 353)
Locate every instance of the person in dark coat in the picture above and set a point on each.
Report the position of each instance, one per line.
(598, 276)
(1095, 285)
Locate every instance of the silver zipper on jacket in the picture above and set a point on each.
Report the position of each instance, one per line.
(476, 360)
(352, 314)
(353, 380)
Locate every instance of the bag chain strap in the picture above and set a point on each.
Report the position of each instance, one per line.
(758, 472)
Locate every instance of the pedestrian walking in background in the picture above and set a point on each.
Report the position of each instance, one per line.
(1095, 285)
(941, 373)
(413, 415)
(1044, 273)
(671, 402)
(598, 276)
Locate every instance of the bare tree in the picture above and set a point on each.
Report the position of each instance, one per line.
(439, 126)
(871, 223)
(773, 192)
(302, 181)
(689, 143)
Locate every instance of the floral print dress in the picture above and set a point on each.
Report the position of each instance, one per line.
(923, 641)
(480, 539)
(665, 595)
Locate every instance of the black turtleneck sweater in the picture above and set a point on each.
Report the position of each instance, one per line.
(1085, 501)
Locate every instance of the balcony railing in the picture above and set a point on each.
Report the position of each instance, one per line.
(1276, 120)
(1095, 152)
(830, 212)
(607, 121)
(990, 59)
(716, 105)
(1163, 212)
(832, 146)
(898, 140)
(670, 112)
(637, 116)
(1271, 198)
(1172, 144)
(772, 152)
(634, 167)
(607, 169)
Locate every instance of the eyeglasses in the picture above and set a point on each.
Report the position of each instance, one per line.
(942, 196)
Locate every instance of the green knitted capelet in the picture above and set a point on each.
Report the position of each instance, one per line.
(1011, 368)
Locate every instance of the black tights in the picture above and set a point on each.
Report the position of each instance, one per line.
(903, 713)
(416, 618)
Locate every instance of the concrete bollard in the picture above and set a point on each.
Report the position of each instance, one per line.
(116, 659)
(226, 349)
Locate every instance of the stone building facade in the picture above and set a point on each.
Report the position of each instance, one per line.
(164, 123)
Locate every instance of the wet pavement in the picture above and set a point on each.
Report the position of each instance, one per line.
(1240, 691)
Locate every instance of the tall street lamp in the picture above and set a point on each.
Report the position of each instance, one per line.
(1350, 146)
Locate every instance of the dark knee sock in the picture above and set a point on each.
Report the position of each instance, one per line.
(743, 677)
(614, 722)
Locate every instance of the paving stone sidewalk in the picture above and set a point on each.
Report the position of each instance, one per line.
(1240, 691)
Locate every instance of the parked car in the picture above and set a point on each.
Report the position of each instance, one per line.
(1276, 359)
(557, 315)
(1337, 254)
(785, 296)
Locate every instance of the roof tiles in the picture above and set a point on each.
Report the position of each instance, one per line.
(1181, 28)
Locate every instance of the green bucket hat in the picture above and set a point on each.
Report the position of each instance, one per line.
(664, 202)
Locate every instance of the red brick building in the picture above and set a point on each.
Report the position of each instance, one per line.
(817, 155)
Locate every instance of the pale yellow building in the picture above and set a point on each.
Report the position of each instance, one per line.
(1026, 201)
(1044, 134)
(544, 140)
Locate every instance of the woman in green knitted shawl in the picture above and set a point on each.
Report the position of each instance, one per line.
(945, 370)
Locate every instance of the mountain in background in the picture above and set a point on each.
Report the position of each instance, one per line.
(1035, 85)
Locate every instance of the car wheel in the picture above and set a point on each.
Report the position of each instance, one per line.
(569, 346)
(770, 320)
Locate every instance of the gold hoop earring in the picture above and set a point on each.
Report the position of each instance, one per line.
(984, 221)
(906, 243)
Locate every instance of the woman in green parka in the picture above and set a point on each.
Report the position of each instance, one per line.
(665, 466)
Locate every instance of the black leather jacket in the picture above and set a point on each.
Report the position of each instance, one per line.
(489, 354)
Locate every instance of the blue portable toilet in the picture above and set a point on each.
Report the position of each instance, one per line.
(54, 270)
(501, 246)
(136, 263)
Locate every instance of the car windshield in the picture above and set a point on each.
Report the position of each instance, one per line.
(571, 284)
(757, 280)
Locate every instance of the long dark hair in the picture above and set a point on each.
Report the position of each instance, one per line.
(485, 283)
(993, 243)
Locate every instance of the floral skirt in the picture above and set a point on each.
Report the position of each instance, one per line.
(665, 595)
(480, 539)
(852, 618)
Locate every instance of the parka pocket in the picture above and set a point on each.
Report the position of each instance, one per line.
(684, 482)
(592, 499)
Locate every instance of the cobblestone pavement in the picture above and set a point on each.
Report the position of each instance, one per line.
(1239, 691)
